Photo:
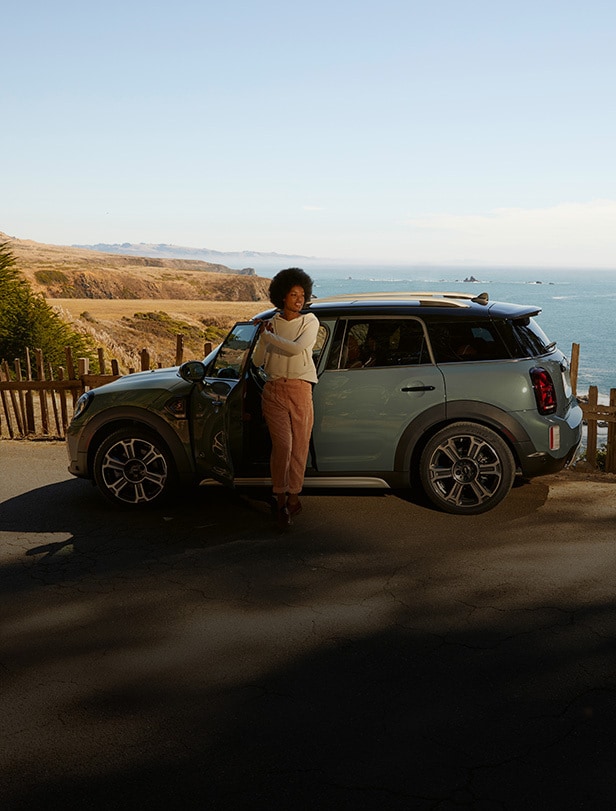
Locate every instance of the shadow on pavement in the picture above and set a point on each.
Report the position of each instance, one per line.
(378, 656)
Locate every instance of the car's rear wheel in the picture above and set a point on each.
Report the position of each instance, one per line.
(466, 469)
(133, 468)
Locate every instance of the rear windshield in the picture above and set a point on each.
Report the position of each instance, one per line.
(525, 338)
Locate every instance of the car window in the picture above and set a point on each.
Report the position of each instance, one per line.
(525, 337)
(322, 336)
(231, 357)
(466, 341)
(373, 342)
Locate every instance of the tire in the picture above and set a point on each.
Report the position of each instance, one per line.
(466, 469)
(134, 468)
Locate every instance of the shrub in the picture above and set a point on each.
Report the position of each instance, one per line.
(27, 321)
(50, 277)
(601, 456)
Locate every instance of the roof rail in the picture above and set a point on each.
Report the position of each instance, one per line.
(424, 297)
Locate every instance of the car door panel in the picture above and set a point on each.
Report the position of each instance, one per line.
(219, 419)
(361, 414)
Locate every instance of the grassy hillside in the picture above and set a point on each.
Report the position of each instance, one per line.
(128, 303)
(125, 326)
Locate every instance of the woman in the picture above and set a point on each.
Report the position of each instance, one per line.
(284, 350)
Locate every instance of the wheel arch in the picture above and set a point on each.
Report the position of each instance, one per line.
(419, 432)
(177, 442)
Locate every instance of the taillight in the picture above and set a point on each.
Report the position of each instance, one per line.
(545, 393)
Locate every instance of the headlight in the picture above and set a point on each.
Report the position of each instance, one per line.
(82, 404)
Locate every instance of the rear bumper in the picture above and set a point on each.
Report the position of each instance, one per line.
(542, 464)
(538, 460)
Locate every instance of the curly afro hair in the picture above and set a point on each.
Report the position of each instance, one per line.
(284, 281)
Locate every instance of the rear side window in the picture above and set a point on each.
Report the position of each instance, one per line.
(525, 338)
(466, 341)
(374, 342)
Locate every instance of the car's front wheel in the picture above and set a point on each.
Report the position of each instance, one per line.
(466, 469)
(133, 467)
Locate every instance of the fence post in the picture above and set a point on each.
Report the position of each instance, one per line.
(38, 354)
(5, 405)
(179, 350)
(21, 416)
(70, 366)
(101, 360)
(63, 408)
(591, 427)
(574, 367)
(16, 402)
(30, 426)
(207, 348)
(70, 369)
(83, 367)
(610, 456)
(54, 404)
(145, 360)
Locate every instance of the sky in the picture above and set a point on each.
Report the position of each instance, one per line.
(458, 132)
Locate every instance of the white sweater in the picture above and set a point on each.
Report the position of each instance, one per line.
(287, 351)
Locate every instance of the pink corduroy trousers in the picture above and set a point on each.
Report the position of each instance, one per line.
(288, 411)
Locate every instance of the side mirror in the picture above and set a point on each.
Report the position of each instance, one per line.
(193, 371)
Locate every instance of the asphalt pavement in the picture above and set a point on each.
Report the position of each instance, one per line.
(379, 655)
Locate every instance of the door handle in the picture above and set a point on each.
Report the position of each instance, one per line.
(418, 388)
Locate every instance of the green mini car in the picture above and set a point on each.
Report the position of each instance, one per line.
(449, 392)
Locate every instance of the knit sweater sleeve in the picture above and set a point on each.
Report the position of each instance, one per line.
(258, 356)
(305, 340)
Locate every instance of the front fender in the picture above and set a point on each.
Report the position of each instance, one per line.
(82, 446)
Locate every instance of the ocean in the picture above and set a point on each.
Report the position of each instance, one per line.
(576, 307)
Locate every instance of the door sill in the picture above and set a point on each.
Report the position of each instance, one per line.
(355, 482)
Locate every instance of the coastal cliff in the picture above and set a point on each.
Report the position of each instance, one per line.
(59, 271)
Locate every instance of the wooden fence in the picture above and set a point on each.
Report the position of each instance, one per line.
(38, 402)
(596, 415)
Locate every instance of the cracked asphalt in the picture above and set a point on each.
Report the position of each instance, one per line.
(380, 655)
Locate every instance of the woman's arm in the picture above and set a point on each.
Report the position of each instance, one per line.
(258, 356)
(305, 340)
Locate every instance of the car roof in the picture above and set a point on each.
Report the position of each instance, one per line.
(434, 303)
